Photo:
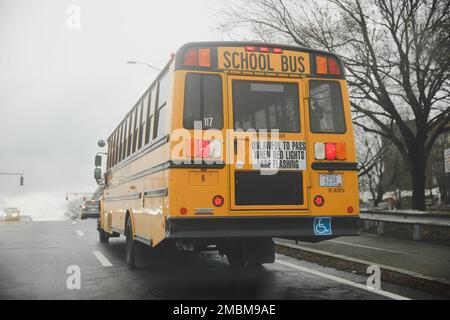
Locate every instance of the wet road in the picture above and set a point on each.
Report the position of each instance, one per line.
(35, 257)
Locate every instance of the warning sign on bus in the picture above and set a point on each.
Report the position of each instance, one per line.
(279, 155)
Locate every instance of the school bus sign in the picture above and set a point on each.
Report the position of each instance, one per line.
(270, 61)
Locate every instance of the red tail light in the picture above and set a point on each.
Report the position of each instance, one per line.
(199, 148)
(330, 151)
(183, 211)
(218, 201)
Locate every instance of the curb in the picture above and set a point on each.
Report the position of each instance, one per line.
(389, 274)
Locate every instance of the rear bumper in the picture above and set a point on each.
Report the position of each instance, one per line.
(300, 228)
(90, 215)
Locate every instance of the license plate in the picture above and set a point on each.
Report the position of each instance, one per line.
(331, 180)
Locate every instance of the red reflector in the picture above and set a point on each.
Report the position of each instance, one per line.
(264, 49)
(218, 201)
(319, 201)
(330, 151)
(250, 49)
(333, 67)
(191, 57)
(183, 211)
(277, 50)
(350, 210)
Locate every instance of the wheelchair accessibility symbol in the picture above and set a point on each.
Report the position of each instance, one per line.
(322, 227)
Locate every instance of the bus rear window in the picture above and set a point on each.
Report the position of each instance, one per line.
(203, 101)
(326, 112)
(266, 106)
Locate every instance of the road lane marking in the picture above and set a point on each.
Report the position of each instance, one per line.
(362, 246)
(80, 233)
(343, 281)
(103, 260)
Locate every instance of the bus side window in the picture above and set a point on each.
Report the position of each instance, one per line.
(326, 111)
(160, 111)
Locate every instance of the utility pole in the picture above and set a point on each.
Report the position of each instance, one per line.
(13, 174)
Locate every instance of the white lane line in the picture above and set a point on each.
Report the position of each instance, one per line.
(105, 262)
(343, 281)
(80, 233)
(362, 246)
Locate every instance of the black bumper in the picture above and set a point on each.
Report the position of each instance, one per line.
(90, 215)
(256, 227)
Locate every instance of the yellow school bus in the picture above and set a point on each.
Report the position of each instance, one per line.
(232, 145)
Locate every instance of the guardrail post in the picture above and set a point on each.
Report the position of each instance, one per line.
(416, 233)
(380, 229)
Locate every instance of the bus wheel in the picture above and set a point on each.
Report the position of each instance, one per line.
(235, 257)
(103, 236)
(130, 246)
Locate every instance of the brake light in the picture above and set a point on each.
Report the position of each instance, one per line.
(218, 201)
(200, 148)
(319, 201)
(183, 211)
(319, 151)
(191, 57)
(330, 151)
(204, 58)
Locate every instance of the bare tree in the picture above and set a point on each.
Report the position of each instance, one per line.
(370, 156)
(397, 55)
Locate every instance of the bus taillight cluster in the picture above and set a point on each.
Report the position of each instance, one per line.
(330, 151)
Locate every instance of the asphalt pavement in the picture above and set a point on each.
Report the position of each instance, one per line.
(39, 260)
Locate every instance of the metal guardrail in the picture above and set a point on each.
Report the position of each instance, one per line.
(421, 218)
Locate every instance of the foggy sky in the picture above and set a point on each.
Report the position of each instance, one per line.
(61, 90)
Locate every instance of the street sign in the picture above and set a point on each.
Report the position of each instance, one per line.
(447, 160)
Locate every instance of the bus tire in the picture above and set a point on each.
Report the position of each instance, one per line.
(102, 234)
(235, 257)
(130, 246)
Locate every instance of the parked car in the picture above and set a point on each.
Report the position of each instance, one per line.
(385, 206)
(26, 218)
(90, 209)
(11, 214)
